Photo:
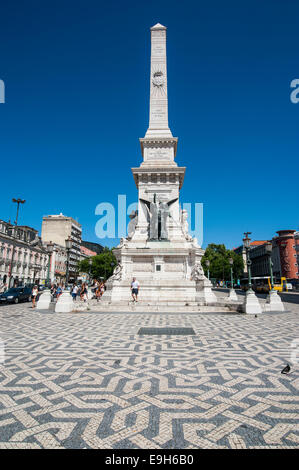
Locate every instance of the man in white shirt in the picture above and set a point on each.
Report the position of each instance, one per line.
(134, 289)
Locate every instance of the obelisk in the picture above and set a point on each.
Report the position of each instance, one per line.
(158, 146)
(158, 119)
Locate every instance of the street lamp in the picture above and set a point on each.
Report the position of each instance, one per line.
(251, 304)
(208, 266)
(246, 242)
(269, 251)
(18, 201)
(50, 249)
(231, 262)
(90, 264)
(232, 292)
(68, 246)
(14, 235)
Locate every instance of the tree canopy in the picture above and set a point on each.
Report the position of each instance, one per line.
(219, 268)
(102, 265)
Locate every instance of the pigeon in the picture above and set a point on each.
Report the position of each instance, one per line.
(286, 369)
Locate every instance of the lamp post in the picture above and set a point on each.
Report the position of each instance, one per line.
(18, 201)
(208, 266)
(90, 264)
(231, 262)
(232, 292)
(269, 251)
(251, 304)
(246, 242)
(273, 301)
(68, 246)
(50, 249)
(14, 235)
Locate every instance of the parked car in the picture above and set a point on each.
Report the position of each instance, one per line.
(16, 295)
(295, 284)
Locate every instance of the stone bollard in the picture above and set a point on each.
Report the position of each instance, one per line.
(89, 293)
(44, 300)
(273, 302)
(64, 303)
(251, 304)
(232, 295)
(204, 292)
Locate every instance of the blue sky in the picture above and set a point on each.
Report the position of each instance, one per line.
(77, 99)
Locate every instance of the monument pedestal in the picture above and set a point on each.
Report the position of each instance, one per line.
(164, 270)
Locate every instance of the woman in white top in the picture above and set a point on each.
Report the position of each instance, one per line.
(34, 295)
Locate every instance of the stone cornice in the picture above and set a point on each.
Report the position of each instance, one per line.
(158, 141)
(158, 170)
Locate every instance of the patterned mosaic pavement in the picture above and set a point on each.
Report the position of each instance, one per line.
(88, 380)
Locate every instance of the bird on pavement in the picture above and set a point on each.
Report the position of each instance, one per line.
(286, 369)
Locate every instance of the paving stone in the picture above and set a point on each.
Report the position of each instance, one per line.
(89, 380)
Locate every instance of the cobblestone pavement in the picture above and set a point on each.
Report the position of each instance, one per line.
(89, 380)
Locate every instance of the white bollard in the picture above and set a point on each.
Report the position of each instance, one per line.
(204, 292)
(251, 304)
(232, 295)
(273, 302)
(44, 300)
(64, 303)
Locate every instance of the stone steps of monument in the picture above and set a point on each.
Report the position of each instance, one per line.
(161, 307)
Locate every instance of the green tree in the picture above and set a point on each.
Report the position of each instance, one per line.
(102, 264)
(219, 268)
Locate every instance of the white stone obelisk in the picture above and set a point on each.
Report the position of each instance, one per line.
(158, 120)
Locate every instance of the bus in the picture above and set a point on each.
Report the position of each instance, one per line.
(263, 284)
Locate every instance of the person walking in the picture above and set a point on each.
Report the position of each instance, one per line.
(135, 286)
(34, 294)
(99, 291)
(83, 293)
(74, 291)
(58, 291)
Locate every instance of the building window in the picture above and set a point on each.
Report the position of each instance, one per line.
(158, 267)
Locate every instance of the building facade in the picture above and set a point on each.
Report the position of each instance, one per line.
(23, 258)
(95, 247)
(57, 228)
(86, 253)
(286, 245)
(58, 262)
(284, 256)
(296, 237)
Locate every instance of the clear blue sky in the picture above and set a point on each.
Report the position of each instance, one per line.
(77, 98)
